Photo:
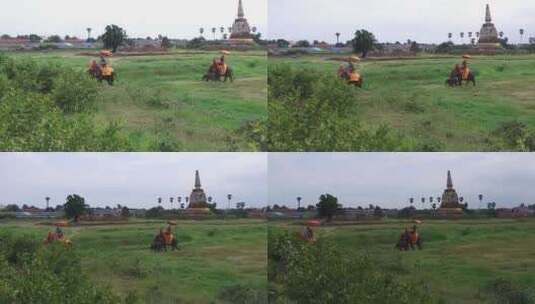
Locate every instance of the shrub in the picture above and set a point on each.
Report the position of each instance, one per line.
(239, 294)
(508, 292)
(322, 273)
(48, 274)
(74, 92)
(310, 111)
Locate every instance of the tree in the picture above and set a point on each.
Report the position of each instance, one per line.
(166, 43)
(35, 38)
(54, 39)
(462, 36)
(363, 42)
(75, 207)
(327, 206)
(12, 208)
(299, 202)
(337, 38)
(303, 44)
(125, 212)
(450, 35)
(521, 35)
(281, 43)
(47, 199)
(415, 48)
(480, 199)
(213, 31)
(113, 37)
(88, 33)
(201, 30)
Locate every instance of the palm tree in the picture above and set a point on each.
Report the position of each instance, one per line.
(521, 35)
(47, 200)
(222, 30)
(88, 33)
(254, 29)
(411, 201)
(337, 38)
(187, 199)
(423, 202)
(159, 200)
(299, 202)
(450, 35)
(201, 30)
(477, 35)
(501, 34)
(171, 199)
(213, 31)
(462, 37)
(230, 29)
(210, 199)
(461, 199)
(179, 199)
(480, 200)
(229, 197)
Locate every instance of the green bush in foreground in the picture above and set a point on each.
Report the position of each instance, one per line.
(45, 107)
(322, 273)
(310, 111)
(32, 273)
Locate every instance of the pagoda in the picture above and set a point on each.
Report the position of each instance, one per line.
(488, 35)
(450, 205)
(241, 31)
(198, 204)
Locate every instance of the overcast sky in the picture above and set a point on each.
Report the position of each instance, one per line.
(176, 19)
(134, 179)
(396, 20)
(390, 179)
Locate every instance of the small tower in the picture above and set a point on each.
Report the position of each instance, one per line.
(488, 35)
(197, 198)
(241, 28)
(449, 184)
(488, 18)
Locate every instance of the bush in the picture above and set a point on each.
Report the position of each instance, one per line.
(50, 274)
(74, 92)
(311, 111)
(514, 135)
(238, 294)
(322, 273)
(507, 292)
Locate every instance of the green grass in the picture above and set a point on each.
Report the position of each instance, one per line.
(214, 255)
(410, 96)
(162, 98)
(460, 258)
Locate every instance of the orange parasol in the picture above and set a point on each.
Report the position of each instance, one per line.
(224, 52)
(172, 223)
(106, 53)
(417, 222)
(467, 56)
(62, 224)
(353, 59)
(314, 223)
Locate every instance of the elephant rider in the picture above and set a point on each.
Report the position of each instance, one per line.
(456, 71)
(168, 235)
(93, 66)
(107, 71)
(102, 60)
(414, 237)
(59, 233)
(222, 66)
(465, 70)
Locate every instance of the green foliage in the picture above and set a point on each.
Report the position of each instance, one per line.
(514, 135)
(239, 294)
(113, 37)
(312, 111)
(50, 274)
(74, 92)
(507, 292)
(75, 206)
(33, 99)
(196, 43)
(166, 43)
(363, 42)
(323, 273)
(327, 206)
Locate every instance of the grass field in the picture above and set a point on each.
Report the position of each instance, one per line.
(162, 98)
(410, 96)
(213, 256)
(460, 258)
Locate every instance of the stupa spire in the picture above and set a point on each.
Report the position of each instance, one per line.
(241, 14)
(450, 182)
(197, 180)
(488, 18)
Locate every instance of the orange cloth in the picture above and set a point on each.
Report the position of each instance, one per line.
(107, 71)
(354, 77)
(168, 237)
(414, 237)
(465, 72)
